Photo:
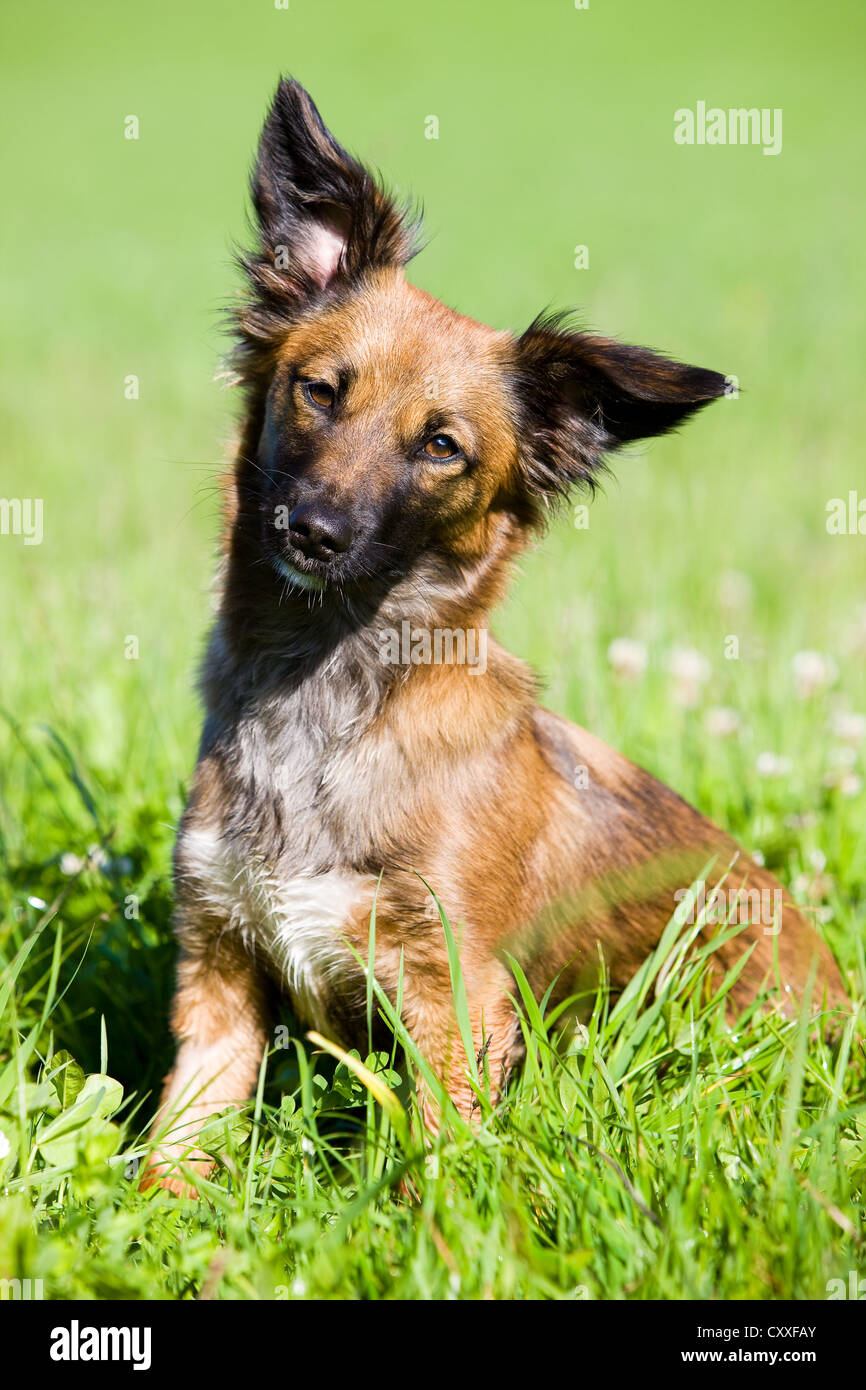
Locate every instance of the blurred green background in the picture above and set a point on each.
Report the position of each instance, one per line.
(555, 130)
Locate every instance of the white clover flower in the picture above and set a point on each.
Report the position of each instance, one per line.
(848, 726)
(813, 886)
(813, 671)
(843, 756)
(5, 1146)
(734, 589)
(851, 784)
(71, 864)
(772, 765)
(690, 671)
(627, 657)
(721, 722)
(688, 665)
(859, 629)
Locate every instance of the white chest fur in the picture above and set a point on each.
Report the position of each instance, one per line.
(298, 920)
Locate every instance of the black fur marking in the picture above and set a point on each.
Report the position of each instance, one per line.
(304, 182)
(581, 396)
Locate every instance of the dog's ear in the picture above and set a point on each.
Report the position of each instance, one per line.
(321, 215)
(580, 397)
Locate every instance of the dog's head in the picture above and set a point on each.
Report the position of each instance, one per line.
(384, 426)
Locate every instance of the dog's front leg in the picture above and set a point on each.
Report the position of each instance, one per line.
(432, 1022)
(220, 1021)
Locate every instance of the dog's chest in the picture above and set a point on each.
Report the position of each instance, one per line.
(297, 920)
(277, 861)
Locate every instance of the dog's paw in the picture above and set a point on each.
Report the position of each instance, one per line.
(174, 1173)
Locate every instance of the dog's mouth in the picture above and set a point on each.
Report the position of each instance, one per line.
(307, 576)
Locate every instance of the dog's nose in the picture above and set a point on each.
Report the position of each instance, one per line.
(318, 531)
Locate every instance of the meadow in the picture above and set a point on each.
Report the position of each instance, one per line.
(699, 615)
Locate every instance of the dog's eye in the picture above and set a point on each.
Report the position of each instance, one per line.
(441, 446)
(321, 394)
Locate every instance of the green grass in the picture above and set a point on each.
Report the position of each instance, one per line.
(661, 1156)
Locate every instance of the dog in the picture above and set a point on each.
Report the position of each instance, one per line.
(395, 457)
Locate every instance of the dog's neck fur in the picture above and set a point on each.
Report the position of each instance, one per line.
(274, 640)
(293, 682)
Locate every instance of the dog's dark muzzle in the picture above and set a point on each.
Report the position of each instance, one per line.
(318, 532)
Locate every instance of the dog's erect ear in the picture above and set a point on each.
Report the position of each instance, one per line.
(321, 214)
(580, 397)
(323, 219)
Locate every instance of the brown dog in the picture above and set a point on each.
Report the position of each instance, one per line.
(395, 457)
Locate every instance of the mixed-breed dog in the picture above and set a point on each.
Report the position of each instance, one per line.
(395, 457)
